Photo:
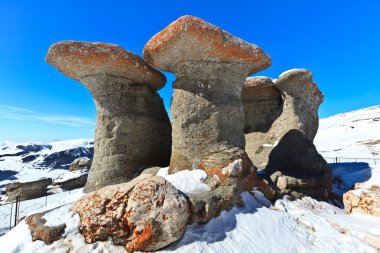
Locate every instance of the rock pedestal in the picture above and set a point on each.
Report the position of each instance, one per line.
(132, 128)
(281, 120)
(272, 108)
(211, 66)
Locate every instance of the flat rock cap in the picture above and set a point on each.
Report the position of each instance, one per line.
(192, 39)
(80, 59)
(295, 75)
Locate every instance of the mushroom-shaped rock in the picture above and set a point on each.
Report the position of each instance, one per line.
(281, 120)
(211, 66)
(132, 128)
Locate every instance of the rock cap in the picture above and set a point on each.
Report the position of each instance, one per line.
(190, 39)
(78, 59)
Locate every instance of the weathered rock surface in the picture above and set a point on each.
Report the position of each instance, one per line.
(365, 201)
(28, 190)
(281, 120)
(38, 231)
(273, 108)
(81, 163)
(133, 128)
(145, 214)
(211, 66)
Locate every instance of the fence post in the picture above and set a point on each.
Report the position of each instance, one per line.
(10, 217)
(336, 161)
(45, 200)
(16, 210)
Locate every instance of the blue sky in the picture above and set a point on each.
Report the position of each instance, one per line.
(337, 40)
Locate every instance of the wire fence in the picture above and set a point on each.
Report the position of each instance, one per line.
(11, 212)
(340, 161)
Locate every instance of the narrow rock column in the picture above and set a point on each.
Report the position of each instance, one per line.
(211, 66)
(132, 128)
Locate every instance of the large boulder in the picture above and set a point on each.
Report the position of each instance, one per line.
(145, 214)
(81, 163)
(28, 190)
(211, 66)
(365, 201)
(132, 129)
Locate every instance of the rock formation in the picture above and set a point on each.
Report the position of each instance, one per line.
(28, 190)
(207, 114)
(81, 163)
(132, 128)
(39, 231)
(145, 214)
(365, 201)
(281, 120)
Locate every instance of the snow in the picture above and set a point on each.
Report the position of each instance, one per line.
(186, 181)
(31, 171)
(70, 175)
(304, 225)
(288, 226)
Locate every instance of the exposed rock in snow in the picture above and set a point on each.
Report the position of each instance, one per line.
(145, 214)
(363, 200)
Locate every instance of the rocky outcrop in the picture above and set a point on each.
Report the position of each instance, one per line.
(207, 114)
(273, 108)
(28, 190)
(281, 120)
(81, 163)
(145, 214)
(365, 201)
(63, 159)
(132, 129)
(39, 231)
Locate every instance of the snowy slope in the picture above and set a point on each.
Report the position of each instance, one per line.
(31, 161)
(354, 134)
(288, 226)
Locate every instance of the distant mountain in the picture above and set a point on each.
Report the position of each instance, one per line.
(30, 161)
(353, 134)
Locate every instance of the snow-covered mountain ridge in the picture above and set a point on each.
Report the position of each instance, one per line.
(33, 160)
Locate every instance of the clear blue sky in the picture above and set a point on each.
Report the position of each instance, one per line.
(337, 40)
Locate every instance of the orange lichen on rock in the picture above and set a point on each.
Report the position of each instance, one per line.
(80, 59)
(192, 39)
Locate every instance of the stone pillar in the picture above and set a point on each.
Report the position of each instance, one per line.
(132, 128)
(207, 114)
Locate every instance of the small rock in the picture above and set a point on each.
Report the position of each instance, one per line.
(363, 201)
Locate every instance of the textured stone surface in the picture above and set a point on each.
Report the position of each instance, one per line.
(81, 163)
(132, 128)
(145, 214)
(365, 201)
(44, 233)
(211, 66)
(272, 108)
(28, 190)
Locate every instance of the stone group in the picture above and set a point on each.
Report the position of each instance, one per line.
(243, 132)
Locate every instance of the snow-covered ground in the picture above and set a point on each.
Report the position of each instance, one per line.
(353, 134)
(288, 226)
(304, 225)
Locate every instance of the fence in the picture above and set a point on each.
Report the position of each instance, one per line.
(337, 161)
(11, 212)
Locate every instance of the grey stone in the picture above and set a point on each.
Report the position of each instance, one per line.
(81, 163)
(211, 66)
(28, 190)
(132, 129)
(145, 214)
(272, 108)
